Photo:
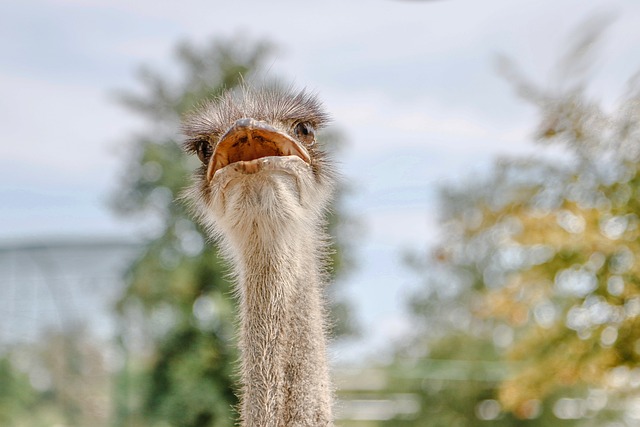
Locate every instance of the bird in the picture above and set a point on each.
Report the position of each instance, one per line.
(262, 192)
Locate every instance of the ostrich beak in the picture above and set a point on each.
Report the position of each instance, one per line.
(248, 140)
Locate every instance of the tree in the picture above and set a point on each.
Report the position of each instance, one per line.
(17, 396)
(60, 380)
(541, 256)
(177, 308)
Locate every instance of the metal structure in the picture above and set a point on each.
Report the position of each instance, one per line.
(54, 285)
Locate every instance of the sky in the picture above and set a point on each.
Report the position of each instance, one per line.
(412, 85)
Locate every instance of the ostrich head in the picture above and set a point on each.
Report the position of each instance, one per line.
(262, 191)
(260, 162)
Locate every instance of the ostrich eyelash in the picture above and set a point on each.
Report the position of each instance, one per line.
(305, 133)
(203, 150)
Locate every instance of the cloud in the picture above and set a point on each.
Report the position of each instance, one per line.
(62, 129)
(376, 122)
(402, 227)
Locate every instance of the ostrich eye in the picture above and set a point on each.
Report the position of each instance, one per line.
(204, 151)
(305, 133)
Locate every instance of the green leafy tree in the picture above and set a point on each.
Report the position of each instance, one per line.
(538, 263)
(60, 380)
(177, 312)
(17, 396)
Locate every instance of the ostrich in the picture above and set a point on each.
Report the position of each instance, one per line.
(262, 192)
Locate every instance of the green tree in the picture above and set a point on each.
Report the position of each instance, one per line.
(17, 396)
(177, 312)
(60, 380)
(538, 262)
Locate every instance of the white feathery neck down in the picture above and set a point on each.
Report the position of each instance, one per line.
(271, 228)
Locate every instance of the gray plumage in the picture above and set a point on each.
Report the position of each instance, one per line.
(262, 192)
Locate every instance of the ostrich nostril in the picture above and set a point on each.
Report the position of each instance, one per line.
(244, 122)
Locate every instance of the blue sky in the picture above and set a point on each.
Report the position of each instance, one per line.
(411, 84)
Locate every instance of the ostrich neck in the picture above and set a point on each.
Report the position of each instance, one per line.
(282, 341)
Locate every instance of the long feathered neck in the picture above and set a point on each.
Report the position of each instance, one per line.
(267, 216)
(282, 337)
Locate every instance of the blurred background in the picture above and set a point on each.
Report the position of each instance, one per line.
(486, 231)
